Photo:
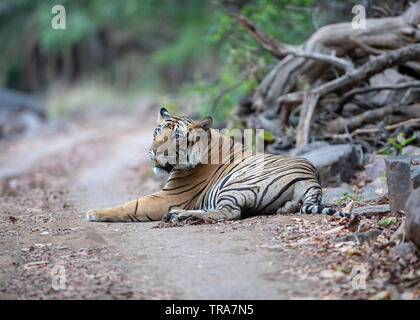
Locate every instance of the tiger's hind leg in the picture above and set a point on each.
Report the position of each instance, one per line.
(312, 204)
(214, 214)
(291, 206)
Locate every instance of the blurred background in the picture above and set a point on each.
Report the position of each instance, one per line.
(190, 56)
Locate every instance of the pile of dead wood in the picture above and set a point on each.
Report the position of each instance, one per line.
(342, 85)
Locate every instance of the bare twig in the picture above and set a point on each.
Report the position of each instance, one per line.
(306, 113)
(413, 84)
(330, 59)
(402, 124)
(275, 47)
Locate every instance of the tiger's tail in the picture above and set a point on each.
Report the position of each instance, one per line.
(311, 208)
(312, 205)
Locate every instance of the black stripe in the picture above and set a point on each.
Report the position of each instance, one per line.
(135, 210)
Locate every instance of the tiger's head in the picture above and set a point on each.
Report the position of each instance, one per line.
(178, 142)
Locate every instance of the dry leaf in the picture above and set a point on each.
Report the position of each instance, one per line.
(12, 219)
(334, 230)
(352, 251)
(382, 295)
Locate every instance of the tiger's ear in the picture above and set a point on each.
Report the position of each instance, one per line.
(163, 114)
(206, 123)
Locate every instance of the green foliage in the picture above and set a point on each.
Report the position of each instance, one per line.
(244, 62)
(178, 35)
(343, 269)
(269, 136)
(396, 144)
(387, 221)
(172, 33)
(211, 99)
(347, 197)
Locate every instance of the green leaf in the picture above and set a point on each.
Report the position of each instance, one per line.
(269, 136)
(401, 138)
(408, 140)
(387, 221)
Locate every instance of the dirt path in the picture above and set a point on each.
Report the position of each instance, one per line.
(101, 163)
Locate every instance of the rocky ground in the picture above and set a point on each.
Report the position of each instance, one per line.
(49, 251)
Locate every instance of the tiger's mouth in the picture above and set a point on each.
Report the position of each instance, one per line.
(168, 167)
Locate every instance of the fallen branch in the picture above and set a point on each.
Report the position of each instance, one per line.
(275, 47)
(352, 123)
(366, 47)
(380, 35)
(371, 130)
(405, 85)
(373, 66)
(281, 50)
(304, 125)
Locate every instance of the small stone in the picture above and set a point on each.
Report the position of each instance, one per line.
(382, 295)
(378, 188)
(399, 182)
(376, 168)
(351, 109)
(334, 194)
(378, 210)
(403, 249)
(407, 296)
(411, 151)
(363, 236)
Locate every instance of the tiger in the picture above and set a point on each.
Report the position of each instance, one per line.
(200, 188)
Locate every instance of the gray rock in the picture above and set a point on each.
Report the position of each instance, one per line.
(378, 188)
(411, 151)
(308, 148)
(333, 194)
(415, 176)
(375, 168)
(378, 210)
(335, 163)
(362, 237)
(412, 220)
(350, 109)
(399, 182)
(403, 249)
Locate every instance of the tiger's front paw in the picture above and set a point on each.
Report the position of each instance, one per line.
(177, 216)
(93, 215)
